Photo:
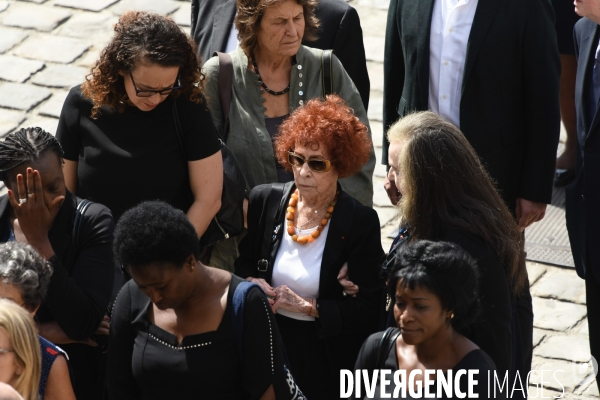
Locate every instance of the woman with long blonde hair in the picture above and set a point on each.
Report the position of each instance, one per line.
(20, 358)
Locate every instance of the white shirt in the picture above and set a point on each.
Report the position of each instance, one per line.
(299, 267)
(232, 41)
(450, 29)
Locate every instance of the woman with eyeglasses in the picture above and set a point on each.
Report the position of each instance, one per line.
(118, 128)
(301, 234)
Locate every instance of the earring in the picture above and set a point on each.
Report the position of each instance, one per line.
(451, 315)
(193, 267)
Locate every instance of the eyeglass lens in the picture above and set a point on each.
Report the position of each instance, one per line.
(315, 165)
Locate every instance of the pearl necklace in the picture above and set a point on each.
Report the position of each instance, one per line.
(291, 212)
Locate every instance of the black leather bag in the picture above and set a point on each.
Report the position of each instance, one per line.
(229, 221)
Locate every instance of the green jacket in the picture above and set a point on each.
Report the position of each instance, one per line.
(248, 138)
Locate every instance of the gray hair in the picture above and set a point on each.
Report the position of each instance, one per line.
(22, 267)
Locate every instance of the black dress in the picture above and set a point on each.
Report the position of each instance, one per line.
(474, 360)
(126, 158)
(146, 362)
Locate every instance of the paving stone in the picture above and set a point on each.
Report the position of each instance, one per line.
(566, 347)
(556, 315)
(583, 328)
(373, 48)
(31, 16)
(560, 284)
(48, 124)
(372, 21)
(535, 271)
(386, 214)
(53, 106)
(16, 69)
(10, 37)
(164, 7)
(89, 58)
(89, 5)
(558, 374)
(534, 393)
(538, 336)
(380, 197)
(3, 5)
(58, 49)
(592, 390)
(36, 1)
(87, 25)
(60, 76)
(9, 120)
(183, 15)
(375, 70)
(375, 112)
(22, 96)
(376, 133)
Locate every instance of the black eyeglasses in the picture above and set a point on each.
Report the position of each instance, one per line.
(150, 93)
(314, 164)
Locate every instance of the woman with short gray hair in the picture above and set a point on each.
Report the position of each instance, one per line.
(24, 279)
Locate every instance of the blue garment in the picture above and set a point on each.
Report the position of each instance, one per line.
(49, 354)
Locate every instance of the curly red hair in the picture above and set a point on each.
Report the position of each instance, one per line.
(142, 37)
(329, 123)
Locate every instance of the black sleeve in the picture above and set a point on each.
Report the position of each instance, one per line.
(199, 133)
(68, 130)
(350, 49)
(120, 381)
(393, 74)
(78, 302)
(360, 313)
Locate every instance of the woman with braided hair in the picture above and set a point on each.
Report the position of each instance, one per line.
(40, 211)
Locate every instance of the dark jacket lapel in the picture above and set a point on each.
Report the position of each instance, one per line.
(222, 22)
(587, 53)
(424, 26)
(484, 16)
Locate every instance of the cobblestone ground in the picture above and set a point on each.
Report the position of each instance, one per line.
(47, 46)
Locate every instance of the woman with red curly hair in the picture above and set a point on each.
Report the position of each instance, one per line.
(301, 233)
(118, 129)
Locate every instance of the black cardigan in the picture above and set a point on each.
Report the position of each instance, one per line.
(354, 237)
(82, 280)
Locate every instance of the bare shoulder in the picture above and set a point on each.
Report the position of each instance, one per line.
(59, 384)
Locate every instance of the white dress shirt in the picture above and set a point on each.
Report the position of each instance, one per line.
(450, 28)
(232, 40)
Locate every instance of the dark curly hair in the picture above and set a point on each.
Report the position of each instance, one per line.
(25, 146)
(22, 267)
(444, 269)
(332, 124)
(142, 37)
(154, 232)
(250, 13)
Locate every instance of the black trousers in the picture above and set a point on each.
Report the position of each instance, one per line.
(592, 300)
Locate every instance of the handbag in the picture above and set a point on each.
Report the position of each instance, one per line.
(229, 220)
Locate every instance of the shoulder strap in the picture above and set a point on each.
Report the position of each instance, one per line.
(385, 345)
(326, 72)
(79, 212)
(273, 209)
(225, 82)
(237, 323)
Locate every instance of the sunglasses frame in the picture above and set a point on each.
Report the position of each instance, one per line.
(303, 160)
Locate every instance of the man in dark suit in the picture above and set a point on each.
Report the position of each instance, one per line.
(212, 23)
(583, 195)
(491, 67)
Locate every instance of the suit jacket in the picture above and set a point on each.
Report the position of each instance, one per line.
(354, 237)
(509, 107)
(583, 195)
(340, 31)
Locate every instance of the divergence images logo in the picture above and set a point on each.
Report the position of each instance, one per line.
(582, 370)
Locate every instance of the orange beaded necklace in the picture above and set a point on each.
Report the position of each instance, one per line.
(291, 212)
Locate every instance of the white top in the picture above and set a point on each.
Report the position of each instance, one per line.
(299, 267)
(232, 41)
(450, 28)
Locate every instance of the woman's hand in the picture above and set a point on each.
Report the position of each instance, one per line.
(33, 217)
(264, 285)
(350, 289)
(288, 300)
(53, 332)
(104, 327)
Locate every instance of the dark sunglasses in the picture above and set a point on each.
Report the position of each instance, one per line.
(314, 164)
(150, 93)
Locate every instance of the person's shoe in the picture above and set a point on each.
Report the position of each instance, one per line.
(563, 177)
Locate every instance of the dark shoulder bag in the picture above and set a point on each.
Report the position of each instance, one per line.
(272, 227)
(387, 342)
(326, 72)
(229, 220)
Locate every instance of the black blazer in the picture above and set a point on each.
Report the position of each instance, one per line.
(340, 31)
(354, 237)
(509, 107)
(583, 195)
(81, 283)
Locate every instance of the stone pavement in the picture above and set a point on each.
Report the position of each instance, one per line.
(47, 46)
